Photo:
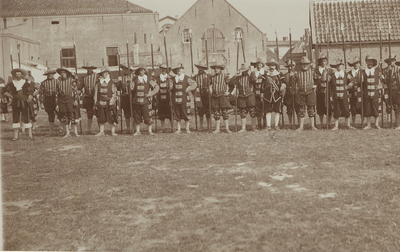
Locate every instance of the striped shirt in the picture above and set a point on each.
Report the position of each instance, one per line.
(219, 84)
(66, 89)
(89, 82)
(244, 86)
(48, 87)
(305, 80)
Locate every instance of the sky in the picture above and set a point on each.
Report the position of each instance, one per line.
(267, 15)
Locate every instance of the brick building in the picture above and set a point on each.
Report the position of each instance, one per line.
(220, 22)
(98, 28)
(362, 17)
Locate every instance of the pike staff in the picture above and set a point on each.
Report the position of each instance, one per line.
(170, 94)
(362, 91)
(327, 97)
(130, 91)
(152, 76)
(291, 71)
(19, 55)
(208, 81)
(277, 59)
(382, 92)
(390, 79)
(239, 36)
(120, 93)
(79, 98)
(191, 64)
(12, 66)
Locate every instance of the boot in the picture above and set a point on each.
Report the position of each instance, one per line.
(113, 130)
(269, 119)
(51, 128)
(254, 123)
(101, 133)
(301, 123)
(137, 130)
(217, 126)
(312, 124)
(226, 122)
(209, 124)
(277, 121)
(243, 125)
(89, 127)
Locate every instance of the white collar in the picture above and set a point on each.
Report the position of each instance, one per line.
(339, 74)
(18, 84)
(106, 80)
(354, 72)
(142, 78)
(370, 71)
(275, 73)
(179, 77)
(321, 69)
(163, 77)
(262, 72)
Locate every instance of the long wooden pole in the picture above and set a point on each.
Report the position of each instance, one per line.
(11, 59)
(389, 86)
(120, 94)
(382, 94)
(278, 61)
(208, 84)
(170, 94)
(79, 100)
(152, 76)
(19, 55)
(236, 88)
(191, 65)
(327, 89)
(361, 87)
(291, 71)
(130, 90)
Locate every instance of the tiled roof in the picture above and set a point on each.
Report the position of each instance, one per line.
(354, 15)
(28, 8)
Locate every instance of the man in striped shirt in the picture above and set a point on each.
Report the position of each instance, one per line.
(67, 96)
(202, 101)
(48, 91)
(305, 98)
(220, 93)
(87, 85)
(246, 98)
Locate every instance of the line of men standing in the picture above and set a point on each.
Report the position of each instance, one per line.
(260, 93)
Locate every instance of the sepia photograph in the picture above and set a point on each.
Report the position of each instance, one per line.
(200, 125)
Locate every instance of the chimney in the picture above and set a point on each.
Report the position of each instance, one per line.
(285, 39)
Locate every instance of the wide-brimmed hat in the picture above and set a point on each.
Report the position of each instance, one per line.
(259, 60)
(140, 68)
(322, 56)
(178, 66)
(272, 62)
(244, 68)
(353, 62)
(387, 61)
(50, 71)
(221, 66)
(59, 70)
(104, 69)
(200, 65)
(369, 57)
(290, 63)
(397, 63)
(339, 62)
(19, 70)
(88, 66)
(305, 60)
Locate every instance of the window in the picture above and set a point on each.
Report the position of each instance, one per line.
(112, 56)
(238, 31)
(186, 36)
(215, 40)
(55, 22)
(68, 57)
(145, 38)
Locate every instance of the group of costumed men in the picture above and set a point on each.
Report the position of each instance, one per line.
(261, 92)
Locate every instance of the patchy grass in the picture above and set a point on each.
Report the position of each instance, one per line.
(308, 191)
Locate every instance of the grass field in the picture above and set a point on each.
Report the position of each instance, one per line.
(256, 191)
